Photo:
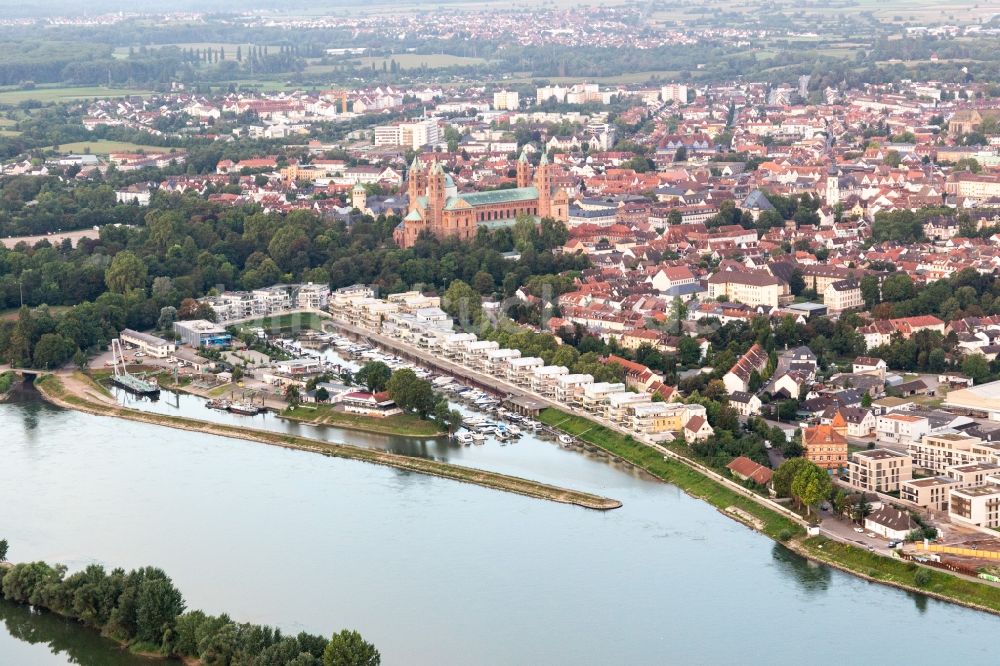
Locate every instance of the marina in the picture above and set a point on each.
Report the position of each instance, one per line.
(567, 588)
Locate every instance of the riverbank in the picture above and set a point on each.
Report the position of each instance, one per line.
(7, 381)
(79, 392)
(402, 425)
(842, 556)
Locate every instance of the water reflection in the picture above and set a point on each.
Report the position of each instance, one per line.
(810, 576)
(67, 641)
(919, 600)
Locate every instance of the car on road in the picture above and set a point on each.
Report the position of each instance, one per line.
(859, 530)
(870, 535)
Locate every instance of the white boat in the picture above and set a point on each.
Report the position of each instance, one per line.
(478, 437)
(514, 430)
(565, 439)
(464, 438)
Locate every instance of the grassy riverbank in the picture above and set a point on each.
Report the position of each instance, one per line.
(6, 382)
(900, 573)
(687, 479)
(53, 388)
(404, 425)
(872, 566)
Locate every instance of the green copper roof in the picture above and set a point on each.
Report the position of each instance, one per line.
(475, 199)
(523, 157)
(414, 216)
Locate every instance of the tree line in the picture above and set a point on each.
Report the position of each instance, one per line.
(144, 610)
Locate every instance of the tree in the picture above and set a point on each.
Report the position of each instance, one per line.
(168, 315)
(788, 409)
(870, 291)
(689, 350)
(796, 282)
(977, 367)
(348, 648)
(158, 605)
(374, 375)
(462, 302)
(678, 313)
(3, 550)
(782, 479)
(411, 393)
(126, 272)
(52, 351)
(483, 283)
(322, 395)
(861, 509)
(810, 485)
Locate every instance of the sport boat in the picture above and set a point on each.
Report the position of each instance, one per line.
(464, 438)
(565, 439)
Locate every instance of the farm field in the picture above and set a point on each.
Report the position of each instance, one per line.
(65, 94)
(105, 147)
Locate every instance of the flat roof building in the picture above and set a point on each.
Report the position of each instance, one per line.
(150, 344)
(202, 333)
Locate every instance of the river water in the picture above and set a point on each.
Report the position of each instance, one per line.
(433, 571)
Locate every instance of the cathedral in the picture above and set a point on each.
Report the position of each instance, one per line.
(436, 206)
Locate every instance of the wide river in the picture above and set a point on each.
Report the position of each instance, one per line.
(433, 571)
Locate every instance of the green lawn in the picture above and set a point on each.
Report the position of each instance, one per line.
(287, 322)
(406, 425)
(105, 147)
(65, 94)
(677, 473)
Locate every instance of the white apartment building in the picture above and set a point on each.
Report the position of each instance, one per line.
(519, 369)
(940, 452)
(900, 428)
(594, 395)
(674, 92)
(475, 353)
(570, 387)
(498, 359)
(879, 470)
(976, 505)
(315, 296)
(617, 405)
(506, 100)
(543, 379)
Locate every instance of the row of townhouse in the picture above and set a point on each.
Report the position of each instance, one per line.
(234, 305)
(419, 321)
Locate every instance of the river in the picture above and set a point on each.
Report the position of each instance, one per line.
(433, 571)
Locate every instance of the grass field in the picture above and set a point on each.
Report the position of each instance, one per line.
(67, 94)
(297, 321)
(105, 147)
(406, 425)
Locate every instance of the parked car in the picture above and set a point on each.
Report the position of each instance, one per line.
(859, 530)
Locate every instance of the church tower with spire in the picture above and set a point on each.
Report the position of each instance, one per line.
(523, 170)
(436, 184)
(543, 181)
(416, 183)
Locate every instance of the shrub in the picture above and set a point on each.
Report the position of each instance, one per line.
(922, 578)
